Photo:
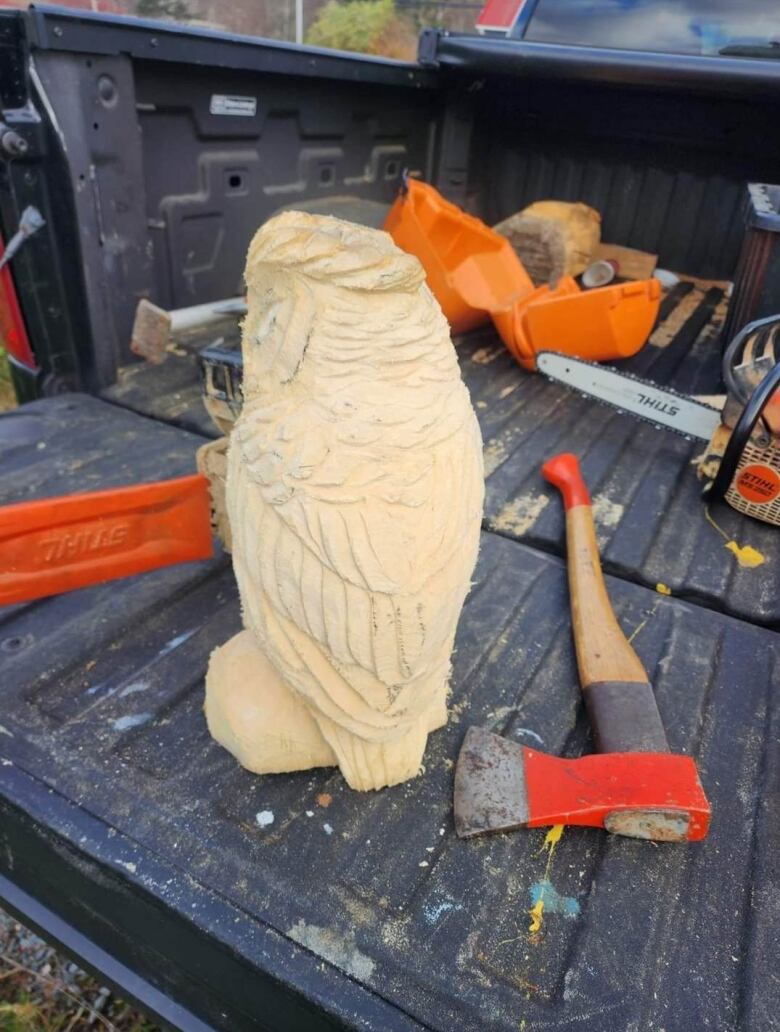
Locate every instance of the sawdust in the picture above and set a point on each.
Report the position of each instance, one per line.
(336, 947)
(484, 356)
(517, 517)
(508, 390)
(670, 327)
(663, 589)
(607, 513)
(494, 454)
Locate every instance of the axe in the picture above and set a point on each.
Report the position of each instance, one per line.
(633, 785)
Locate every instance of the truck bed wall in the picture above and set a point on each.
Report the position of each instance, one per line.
(667, 172)
(150, 191)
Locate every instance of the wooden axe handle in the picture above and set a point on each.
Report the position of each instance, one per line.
(620, 700)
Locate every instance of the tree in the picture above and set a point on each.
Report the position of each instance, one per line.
(368, 26)
(174, 9)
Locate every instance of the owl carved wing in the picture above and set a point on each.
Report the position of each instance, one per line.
(349, 541)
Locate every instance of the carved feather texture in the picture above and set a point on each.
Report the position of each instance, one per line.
(355, 481)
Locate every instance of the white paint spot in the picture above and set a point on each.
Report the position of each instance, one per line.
(131, 689)
(530, 734)
(265, 818)
(131, 720)
(5, 731)
(327, 829)
(423, 863)
(131, 867)
(6, 763)
(441, 831)
(169, 646)
(335, 947)
(310, 813)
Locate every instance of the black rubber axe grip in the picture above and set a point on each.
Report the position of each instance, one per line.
(624, 717)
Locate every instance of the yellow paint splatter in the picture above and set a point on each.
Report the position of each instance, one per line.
(536, 912)
(747, 556)
(650, 615)
(551, 840)
(663, 589)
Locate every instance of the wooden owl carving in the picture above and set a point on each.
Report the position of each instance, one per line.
(354, 492)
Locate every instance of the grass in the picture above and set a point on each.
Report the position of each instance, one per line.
(7, 401)
(42, 991)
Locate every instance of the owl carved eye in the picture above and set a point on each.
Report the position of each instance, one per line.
(268, 320)
(280, 328)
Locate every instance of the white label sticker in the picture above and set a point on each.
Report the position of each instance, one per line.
(222, 104)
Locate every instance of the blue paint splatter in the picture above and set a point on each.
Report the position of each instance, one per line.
(433, 911)
(554, 902)
(131, 689)
(132, 720)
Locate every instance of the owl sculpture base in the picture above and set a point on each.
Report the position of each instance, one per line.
(354, 495)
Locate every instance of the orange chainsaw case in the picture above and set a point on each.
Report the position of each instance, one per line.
(474, 274)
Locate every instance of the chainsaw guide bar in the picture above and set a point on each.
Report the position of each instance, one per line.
(661, 407)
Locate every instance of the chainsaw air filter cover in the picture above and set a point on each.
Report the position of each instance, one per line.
(755, 488)
(749, 474)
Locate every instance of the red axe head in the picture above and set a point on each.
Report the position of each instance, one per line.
(501, 786)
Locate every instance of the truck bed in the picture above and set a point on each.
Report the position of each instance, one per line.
(131, 838)
(651, 523)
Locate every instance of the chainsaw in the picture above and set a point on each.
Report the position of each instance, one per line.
(742, 461)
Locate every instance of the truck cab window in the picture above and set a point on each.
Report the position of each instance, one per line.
(667, 26)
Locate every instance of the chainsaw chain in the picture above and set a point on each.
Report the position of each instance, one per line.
(626, 375)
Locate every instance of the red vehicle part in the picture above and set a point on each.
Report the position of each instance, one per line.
(499, 15)
(13, 334)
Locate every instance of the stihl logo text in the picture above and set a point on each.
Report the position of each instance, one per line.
(80, 543)
(648, 401)
(758, 483)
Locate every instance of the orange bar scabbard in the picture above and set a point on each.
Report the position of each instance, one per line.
(58, 544)
(474, 272)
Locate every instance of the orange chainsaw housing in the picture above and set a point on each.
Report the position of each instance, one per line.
(58, 544)
(475, 274)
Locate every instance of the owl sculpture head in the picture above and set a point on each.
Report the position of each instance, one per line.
(314, 283)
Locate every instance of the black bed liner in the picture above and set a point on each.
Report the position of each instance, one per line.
(131, 838)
